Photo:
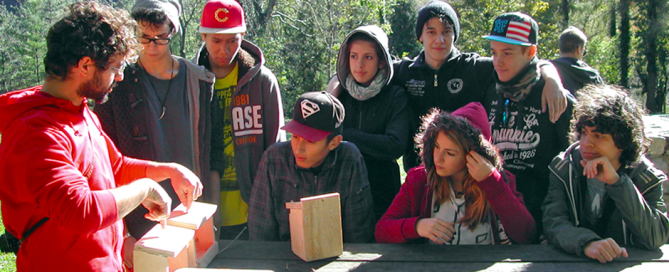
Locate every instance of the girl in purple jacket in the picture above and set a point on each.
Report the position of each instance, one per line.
(460, 194)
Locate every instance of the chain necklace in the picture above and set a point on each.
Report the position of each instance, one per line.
(162, 101)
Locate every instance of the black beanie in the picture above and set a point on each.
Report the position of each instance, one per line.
(437, 9)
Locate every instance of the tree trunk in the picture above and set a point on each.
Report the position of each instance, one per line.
(263, 16)
(624, 41)
(650, 85)
(612, 22)
(565, 13)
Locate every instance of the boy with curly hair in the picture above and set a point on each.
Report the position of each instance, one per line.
(603, 193)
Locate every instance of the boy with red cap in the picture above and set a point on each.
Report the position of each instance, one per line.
(246, 111)
(315, 162)
(524, 134)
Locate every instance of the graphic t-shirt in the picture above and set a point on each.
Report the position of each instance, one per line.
(528, 141)
(453, 210)
(234, 209)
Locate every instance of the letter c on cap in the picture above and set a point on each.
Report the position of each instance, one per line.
(224, 18)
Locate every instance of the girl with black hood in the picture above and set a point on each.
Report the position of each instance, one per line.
(377, 114)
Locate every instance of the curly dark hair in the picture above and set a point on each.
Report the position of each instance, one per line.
(468, 138)
(89, 29)
(152, 17)
(612, 111)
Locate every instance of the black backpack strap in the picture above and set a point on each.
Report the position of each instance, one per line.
(34, 227)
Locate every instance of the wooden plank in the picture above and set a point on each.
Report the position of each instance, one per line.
(337, 266)
(207, 256)
(265, 250)
(147, 262)
(168, 242)
(199, 213)
(219, 269)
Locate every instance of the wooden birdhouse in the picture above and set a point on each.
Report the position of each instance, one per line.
(315, 227)
(199, 218)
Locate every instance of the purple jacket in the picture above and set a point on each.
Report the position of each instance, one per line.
(398, 224)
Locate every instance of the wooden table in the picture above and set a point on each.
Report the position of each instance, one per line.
(277, 256)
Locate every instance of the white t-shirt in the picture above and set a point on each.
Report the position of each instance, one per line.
(453, 210)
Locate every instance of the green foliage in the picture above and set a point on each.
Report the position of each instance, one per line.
(403, 42)
(476, 19)
(7, 260)
(301, 38)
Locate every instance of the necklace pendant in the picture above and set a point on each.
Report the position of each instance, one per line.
(162, 114)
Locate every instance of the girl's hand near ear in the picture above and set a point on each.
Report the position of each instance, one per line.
(479, 167)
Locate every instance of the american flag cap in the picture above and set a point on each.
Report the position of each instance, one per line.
(514, 28)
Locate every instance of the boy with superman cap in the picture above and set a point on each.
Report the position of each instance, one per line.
(316, 161)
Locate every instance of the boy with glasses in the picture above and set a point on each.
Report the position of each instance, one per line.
(161, 110)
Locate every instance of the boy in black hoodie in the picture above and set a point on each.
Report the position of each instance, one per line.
(525, 136)
(575, 73)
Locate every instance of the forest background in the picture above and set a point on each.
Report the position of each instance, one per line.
(628, 40)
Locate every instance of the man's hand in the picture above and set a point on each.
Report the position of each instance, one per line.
(436, 230)
(601, 169)
(186, 184)
(554, 94)
(159, 204)
(554, 97)
(604, 250)
(479, 167)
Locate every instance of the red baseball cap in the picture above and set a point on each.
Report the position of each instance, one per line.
(222, 17)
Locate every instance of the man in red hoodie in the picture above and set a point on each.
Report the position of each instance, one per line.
(64, 186)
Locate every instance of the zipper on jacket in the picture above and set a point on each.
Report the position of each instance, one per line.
(436, 84)
(569, 189)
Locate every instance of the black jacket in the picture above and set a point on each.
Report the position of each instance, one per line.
(378, 126)
(575, 74)
(462, 79)
(527, 141)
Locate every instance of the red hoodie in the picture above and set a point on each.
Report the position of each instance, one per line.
(56, 162)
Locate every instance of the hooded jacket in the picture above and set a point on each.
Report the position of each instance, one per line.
(56, 162)
(463, 78)
(124, 118)
(635, 212)
(257, 115)
(575, 74)
(378, 126)
(414, 201)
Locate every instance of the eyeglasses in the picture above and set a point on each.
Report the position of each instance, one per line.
(119, 70)
(158, 41)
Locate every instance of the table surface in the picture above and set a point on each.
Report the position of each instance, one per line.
(278, 256)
